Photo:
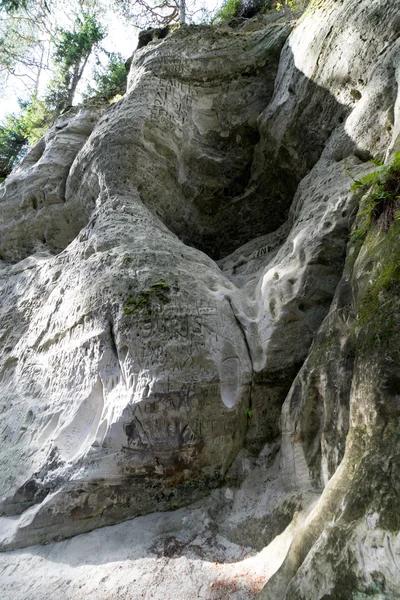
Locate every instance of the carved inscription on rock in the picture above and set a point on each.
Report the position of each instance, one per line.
(178, 425)
(172, 104)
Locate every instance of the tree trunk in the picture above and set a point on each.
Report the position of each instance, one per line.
(182, 11)
(39, 72)
(76, 77)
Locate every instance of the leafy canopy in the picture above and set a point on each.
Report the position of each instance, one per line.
(20, 131)
(11, 6)
(72, 51)
(234, 9)
(73, 46)
(33, 46)
(110, 80)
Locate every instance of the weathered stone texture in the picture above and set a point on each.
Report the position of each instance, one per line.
(166, 265)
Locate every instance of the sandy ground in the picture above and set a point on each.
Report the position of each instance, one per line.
(162, 556)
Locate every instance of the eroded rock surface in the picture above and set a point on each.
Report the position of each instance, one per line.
(159, 307)
(34, 210)
(128, 377)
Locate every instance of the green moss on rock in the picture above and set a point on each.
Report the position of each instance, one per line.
(378, 315)
(382, 188)
(145, 299)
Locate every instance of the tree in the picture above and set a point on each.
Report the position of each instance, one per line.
(110, 80)
(159, 13)
(11, 6)
(29, 35)
(12, 141)
(28, 32)
(72, 51)
(30, 43)
(20, 131)
(25, 33)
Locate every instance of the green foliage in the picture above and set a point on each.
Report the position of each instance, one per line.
(10, 6)
(382, 177)
(233, 9)
(110, 81)
(380, 305)
(21, 131)
(377, 162)
(365, 182)
(291, 4)
(36, 119)
(383, 187)
(229, 10)
(364, 220)
(248, 412)
(29, 37)
(72, 46)
(72, 51)
(12, 143)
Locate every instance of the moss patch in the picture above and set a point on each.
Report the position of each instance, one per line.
(378, 231)
(145, 300)
(378, 315)
(322, 349)
(382, 195)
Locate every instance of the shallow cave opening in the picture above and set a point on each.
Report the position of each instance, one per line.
(227, 220)
(230, 203)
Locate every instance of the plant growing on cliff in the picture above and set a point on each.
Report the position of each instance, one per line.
(378, 310)
(12, 141)
(382, 197)
(291, 4)
(379, 228)
(234, 9)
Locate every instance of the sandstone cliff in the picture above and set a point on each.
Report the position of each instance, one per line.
(183, 306)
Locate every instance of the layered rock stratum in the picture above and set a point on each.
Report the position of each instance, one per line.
(185, 309)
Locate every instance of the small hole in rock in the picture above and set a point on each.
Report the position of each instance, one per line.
(272, 307)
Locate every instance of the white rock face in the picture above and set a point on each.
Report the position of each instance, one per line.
(163, 280)
(34, 211)
(127, 379)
